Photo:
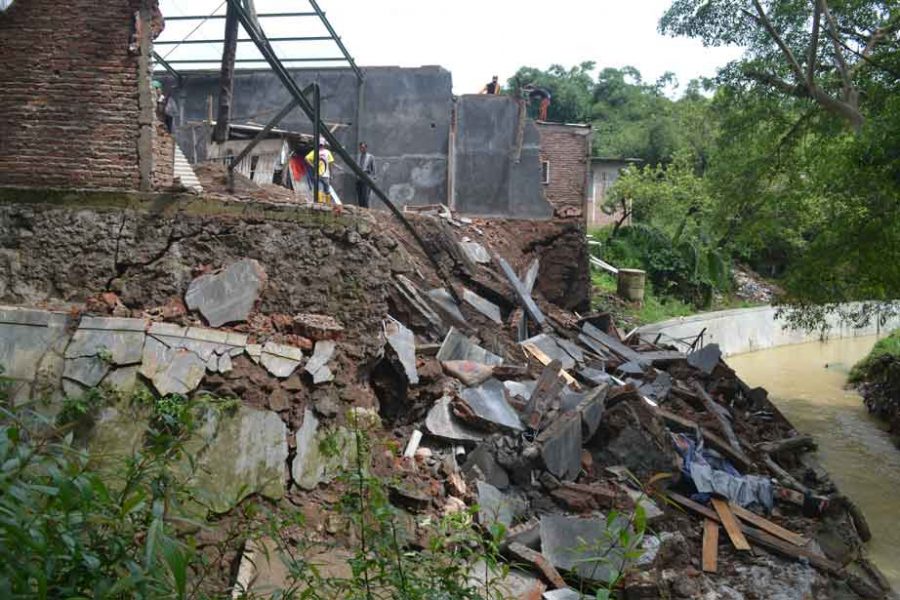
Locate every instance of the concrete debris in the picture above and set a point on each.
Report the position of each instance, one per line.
(485, 307)
(481, 464)
(475, 251)
(523, 293)
(545, 393)
(172, 370)
(321, 453)
(549, 346)
(494, 506)
(205, 343)
(561, 447)
(227, 296)
(564, 594)
(457, 346)
(706, 359)
(588, 548)
(658, 389)
(88, 371)
(403, 342)
(317, 366)
(445, 302)
(591, 410)
(522, 390)
(594, 376)
(280, 360)
(613, 344)
(243, 454)
(414, 440)
(470, 373)
(528, 556)
(318, 327)
(442, 424)
(531, 275)
(487, 407)
(495, 582)
(117, 341)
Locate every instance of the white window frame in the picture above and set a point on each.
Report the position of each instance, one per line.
(545, 172)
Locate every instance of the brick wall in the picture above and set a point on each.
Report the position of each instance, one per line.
(568, 149)
(163, 158)
(68, 95)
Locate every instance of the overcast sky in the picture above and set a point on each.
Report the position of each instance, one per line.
(473, 38)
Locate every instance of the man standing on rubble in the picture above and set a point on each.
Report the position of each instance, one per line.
(367, 163)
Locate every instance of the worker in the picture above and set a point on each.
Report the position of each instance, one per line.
(166, 106)
(492, 88)
(540, 95)
(367, 163)
(326, 161)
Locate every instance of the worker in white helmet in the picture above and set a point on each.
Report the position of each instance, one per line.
(326, 162)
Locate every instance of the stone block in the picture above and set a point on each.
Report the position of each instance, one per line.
(227, 296)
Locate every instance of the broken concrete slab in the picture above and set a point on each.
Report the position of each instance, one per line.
(171, 370)
(441, 423)
(564, 594)
(658, 389)
(494, 582)
(706, 359)
(118, 341)
(204, 342)
(561, 447)
(457, 346)
(88, 371)
(322, 454)
(572, 348)
(531, 275)
(589, 548)
(244, 454)
(520, 389)
(494, 506)
(445, 302)
(631, 369)
(279, 359)
(229, 295)
(487, 406)
(544, 395)
(26, 338)
(318, 327)
(469, 372)
(523, 293)
(482, 464)
(485, 307)
(613, 344)
(549, 346)
(477, 253)
(403, 341)
(317, 366)
(591, 410)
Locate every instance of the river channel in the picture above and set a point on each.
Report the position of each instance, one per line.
(806, 382)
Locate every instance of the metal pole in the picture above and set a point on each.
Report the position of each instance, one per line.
(266, 50)
(226, 77)
(336, 38)
(317, 127)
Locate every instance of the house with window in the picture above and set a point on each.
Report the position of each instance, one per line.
(604, 173)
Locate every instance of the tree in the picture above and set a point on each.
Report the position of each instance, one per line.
(571, 89)
(816, 50)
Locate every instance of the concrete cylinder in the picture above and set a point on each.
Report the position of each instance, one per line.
(631, 284)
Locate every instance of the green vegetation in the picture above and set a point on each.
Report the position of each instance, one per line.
(869, 367)
(788, 161)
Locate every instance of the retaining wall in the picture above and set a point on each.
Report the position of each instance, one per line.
(750, 329)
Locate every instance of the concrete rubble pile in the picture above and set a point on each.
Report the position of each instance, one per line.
(483, 396)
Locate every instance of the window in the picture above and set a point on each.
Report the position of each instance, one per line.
(545, 171)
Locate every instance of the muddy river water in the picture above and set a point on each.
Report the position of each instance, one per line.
(806, 382)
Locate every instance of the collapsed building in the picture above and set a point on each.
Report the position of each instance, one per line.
(452, 332)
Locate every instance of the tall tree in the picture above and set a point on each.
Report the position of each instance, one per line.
(812, 49)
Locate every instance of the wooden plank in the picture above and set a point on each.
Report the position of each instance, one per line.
(710, 546)
(731, 525)
(768, 526)
(545, 360)
(761, 538)
(740, 460)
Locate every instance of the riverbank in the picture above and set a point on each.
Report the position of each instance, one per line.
(877, 377)
(807, 383)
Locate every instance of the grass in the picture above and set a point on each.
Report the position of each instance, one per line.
(889, 346)
(652, 310)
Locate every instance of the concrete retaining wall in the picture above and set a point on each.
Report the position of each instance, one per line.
(751, 329)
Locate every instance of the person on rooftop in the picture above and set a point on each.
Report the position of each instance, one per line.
(492, 88)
